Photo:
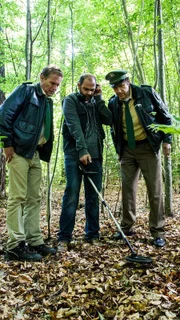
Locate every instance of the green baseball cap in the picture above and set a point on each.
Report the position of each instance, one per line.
(116, 76)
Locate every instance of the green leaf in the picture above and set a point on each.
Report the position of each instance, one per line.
(1, 142)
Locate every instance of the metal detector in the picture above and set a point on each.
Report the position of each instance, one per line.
(133, 257)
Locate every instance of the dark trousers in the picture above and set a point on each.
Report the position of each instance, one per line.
(71, 198)
(142, 158)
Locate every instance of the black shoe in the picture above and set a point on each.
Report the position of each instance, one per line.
(42, 249)
(22, 253)
(159, 242)
(118, 235)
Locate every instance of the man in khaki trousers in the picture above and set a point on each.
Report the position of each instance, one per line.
(26, 119)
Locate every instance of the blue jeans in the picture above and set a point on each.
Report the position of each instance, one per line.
(71, 198)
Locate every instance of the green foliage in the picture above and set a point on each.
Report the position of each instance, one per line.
(173, 129)
(89, 36)
(1, 142)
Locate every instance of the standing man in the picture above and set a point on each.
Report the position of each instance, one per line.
(134, 108)
(83, 135)
(26, 119)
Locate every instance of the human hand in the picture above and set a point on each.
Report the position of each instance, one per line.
(166, 149)
(98, 90)
(86, 159)
(9, 152)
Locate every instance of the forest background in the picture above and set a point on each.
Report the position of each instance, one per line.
(97, 37)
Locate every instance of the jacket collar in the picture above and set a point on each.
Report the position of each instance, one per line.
(39, 89)
(136, 92)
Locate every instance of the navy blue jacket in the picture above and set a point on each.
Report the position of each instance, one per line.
(21, 120)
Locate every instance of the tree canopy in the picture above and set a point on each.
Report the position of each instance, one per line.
(90, 36)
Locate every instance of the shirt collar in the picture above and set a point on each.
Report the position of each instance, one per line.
(44, 92)
(130, 96)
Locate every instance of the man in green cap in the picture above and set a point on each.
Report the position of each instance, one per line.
(134, 108)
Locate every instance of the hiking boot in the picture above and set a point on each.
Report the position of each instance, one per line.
(22, 253)
(118, 235)
(42, 249)
(159, 242)
(94, 241)
(63, 246)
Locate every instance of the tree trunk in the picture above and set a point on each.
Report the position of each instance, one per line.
(134, 49)
(28, 48)
(2, 158)
(167, 160)
(49, 31)
(72, 47)
(49, 180)
(156, 70)
(2, 175)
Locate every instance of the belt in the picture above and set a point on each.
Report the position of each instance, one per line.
(141, 141)
(138, 141)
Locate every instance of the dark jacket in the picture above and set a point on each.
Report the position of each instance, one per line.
(150, 109)
(75, 123)
(21, 120)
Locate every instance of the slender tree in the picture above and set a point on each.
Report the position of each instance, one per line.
(28, 48)
(49, 181)
(72, 46)
(30, 40)
(133, 45)
(2, 158)
(167, 160)
(101, 42)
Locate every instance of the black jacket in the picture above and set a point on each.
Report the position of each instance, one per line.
(150, 109)
(21, 120)
(74, 126)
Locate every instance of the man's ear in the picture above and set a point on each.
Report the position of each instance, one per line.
(79, 86)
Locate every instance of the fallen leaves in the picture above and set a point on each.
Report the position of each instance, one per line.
(91, 282)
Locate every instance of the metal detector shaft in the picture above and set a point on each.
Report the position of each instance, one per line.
(110, 213)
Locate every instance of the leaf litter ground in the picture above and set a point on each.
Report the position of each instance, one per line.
(95, 282)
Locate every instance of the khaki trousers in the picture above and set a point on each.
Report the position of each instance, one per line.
(23, 208)
(142, 158)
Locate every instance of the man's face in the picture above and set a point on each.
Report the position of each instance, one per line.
(87, 88)
(50, 84)
(122, 89)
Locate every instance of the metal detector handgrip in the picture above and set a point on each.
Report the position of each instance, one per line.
(84, 171)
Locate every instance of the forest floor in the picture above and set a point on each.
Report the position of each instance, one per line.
(95, 282)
